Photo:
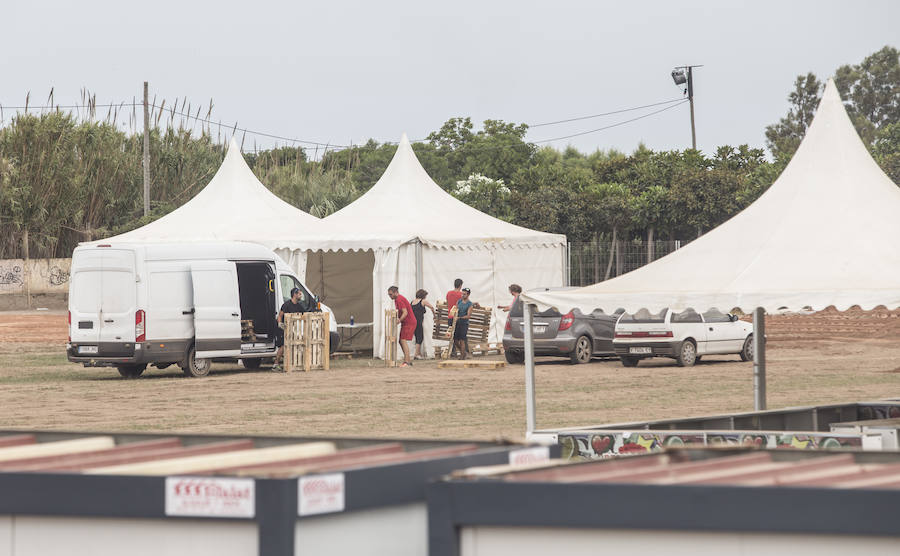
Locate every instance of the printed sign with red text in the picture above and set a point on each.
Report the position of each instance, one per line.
(321, 494)
(208, 497)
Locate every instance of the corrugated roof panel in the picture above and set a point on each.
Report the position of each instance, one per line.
(77, 464)
(25, 464)
(342, 456)
(16, 440)
(54, 448)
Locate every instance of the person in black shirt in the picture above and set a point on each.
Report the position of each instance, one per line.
(292, 305)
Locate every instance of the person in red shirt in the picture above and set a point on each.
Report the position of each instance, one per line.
(407, 322)
(453, 297)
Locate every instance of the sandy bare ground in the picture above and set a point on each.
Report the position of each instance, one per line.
(822, 358)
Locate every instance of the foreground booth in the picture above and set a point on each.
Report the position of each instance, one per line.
(99, 494)
(728, 502)
(825, 233)
(234, 206)
(407, 231)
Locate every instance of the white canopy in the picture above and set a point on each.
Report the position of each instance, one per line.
(827, 232)
(405, 205)
(233, 206)
(407, 231)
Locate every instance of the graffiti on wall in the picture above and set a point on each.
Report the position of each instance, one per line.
(617, 443)
(57, 276)
(37, 276)
(10, 275)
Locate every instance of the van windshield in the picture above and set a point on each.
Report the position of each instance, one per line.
(644, 317)
(288, 283)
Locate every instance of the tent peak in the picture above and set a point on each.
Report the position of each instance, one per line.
(232, 144)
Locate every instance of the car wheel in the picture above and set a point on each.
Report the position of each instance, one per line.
(514, 357)
(629, 361)
(196, 368)
(687, 354)
(131, 371)
(747, 351)
(251, 363)
(583, 350)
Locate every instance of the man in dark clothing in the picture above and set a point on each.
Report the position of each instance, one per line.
(292, 305)
(461, 331)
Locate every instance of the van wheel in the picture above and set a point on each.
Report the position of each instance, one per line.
(747, 350)
(629, 361)
(687, 354)
(251, 363)
(196, 368)
(583, 350)
(131, 371)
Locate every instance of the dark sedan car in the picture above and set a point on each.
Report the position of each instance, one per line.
(574, 335)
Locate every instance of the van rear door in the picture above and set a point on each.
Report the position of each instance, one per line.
(217, 313)
(118, 296)
(102, 297)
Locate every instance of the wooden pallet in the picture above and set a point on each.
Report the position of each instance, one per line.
(342, 355)
(443, 352)
(391, 331)
(306, 341)
(479, 330)
(469, 364)
(247, 332)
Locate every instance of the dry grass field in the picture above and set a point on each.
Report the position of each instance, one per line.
(814, 359)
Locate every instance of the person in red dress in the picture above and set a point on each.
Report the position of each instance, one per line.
(407, 322)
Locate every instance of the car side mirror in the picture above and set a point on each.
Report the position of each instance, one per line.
(733, 318)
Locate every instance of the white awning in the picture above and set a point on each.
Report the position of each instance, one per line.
(827, 232)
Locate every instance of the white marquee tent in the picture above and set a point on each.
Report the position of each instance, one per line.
(234, 206)
(827, 232)
(407, 231)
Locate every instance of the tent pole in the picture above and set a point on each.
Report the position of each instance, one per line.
(529, 369)
(419, 276)
(759, 359)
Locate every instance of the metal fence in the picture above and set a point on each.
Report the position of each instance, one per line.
(589, 260)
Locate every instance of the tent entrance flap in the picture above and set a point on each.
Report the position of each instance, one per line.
(343, 281)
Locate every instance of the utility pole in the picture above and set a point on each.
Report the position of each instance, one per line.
(147, 150)
(690, 85)
(680, 79)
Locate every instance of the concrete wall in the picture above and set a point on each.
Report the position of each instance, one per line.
(47, 281)
(522, 541)
(41, 536)
(41, 275)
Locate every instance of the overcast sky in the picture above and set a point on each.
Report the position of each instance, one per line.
(338, 71)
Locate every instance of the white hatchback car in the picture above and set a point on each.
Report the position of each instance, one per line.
(684, 336)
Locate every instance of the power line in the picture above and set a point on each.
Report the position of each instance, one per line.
(250, 131)
(606, 113)
(612, 125)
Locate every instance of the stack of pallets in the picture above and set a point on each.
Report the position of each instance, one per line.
(306, 341)
(479, 329)
(391, 334)
(247, 332)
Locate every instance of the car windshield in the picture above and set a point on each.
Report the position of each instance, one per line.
(644, 317)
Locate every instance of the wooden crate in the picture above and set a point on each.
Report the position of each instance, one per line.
(479, 329)
(306, 341)
(247, 332)
(391, 335)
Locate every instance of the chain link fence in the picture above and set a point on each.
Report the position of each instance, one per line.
(589, 261)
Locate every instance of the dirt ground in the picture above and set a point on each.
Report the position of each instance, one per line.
(812, 359)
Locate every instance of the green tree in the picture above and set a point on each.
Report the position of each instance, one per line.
(784, 137)
(871, 91)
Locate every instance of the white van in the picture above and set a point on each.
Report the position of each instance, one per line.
(134, 304)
